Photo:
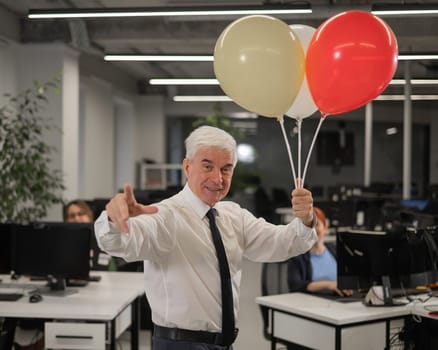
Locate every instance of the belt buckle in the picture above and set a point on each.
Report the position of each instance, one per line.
(217, 339)
(220, 341)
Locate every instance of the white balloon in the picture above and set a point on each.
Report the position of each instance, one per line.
(303, 105)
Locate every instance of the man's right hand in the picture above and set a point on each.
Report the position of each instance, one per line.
(123, 206)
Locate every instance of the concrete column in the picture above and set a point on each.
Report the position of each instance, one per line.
(407, 134)
(368, 143)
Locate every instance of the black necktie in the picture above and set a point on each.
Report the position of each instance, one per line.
(226, 289)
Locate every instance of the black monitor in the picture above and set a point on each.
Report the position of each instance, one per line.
(401, 260)
(56, 251)
(5, 248)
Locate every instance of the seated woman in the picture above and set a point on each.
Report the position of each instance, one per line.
(315, 271)
(78, 211)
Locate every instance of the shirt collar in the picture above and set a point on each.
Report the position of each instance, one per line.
(198, 206)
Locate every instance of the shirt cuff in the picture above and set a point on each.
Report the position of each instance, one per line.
(101, 225)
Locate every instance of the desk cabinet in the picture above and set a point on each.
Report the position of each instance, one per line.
(79, 335)
(324, 337)
(322, 324)
(74, 335)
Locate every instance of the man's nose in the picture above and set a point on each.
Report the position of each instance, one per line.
(217, 176)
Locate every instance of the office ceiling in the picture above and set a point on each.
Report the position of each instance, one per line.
(190, 35)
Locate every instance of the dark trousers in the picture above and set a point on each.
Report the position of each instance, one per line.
(167, 344)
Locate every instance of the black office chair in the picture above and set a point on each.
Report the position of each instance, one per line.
(274, 281)
(7, 332)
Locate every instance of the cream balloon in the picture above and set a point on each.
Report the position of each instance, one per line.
(303, 106)
(259, 63)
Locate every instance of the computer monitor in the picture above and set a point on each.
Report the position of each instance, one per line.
(5, 249)
(57, 251)
(400, 259)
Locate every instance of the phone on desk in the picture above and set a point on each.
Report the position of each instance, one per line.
(72, 282)
(356, 296)
(94, 278)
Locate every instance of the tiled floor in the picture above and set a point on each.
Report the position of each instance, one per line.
(250, 320)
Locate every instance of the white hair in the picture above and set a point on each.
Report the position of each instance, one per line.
(209, 136)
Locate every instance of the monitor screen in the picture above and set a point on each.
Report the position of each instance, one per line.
(416, 204)
(365, 257)
(5, 249)
(61, 250)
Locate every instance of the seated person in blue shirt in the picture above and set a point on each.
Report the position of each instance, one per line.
(315, 271)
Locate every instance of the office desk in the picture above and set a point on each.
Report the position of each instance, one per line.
(97, 314)
(320, 323)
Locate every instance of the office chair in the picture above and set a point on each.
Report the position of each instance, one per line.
(7, 332)
(274, 281)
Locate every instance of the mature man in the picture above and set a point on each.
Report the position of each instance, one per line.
(193, 244)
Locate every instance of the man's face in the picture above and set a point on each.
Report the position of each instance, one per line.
(209, 174)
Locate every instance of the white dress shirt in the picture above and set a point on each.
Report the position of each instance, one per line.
(181, 270)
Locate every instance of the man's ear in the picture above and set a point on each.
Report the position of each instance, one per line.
(186, 165)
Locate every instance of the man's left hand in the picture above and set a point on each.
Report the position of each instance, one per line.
(302, 205)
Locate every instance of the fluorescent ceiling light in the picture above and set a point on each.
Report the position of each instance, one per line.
(223, 98)
(414, 82)
(210, 58)
(160, 58)
(407, 57)
(404, 9)
(202, 98)
(403, 97)
(171, 11)
(183, 82)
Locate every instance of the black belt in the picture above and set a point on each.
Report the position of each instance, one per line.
(179, 334)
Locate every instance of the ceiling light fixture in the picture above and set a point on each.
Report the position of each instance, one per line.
(416, 57)
(210, 58)
(183, 81)
(223, 98)
(160, 58)
(414, 82)
(202, 98)
(403, 97)
(280, 9)
(404, 9)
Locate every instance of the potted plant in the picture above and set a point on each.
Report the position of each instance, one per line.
(28, 183)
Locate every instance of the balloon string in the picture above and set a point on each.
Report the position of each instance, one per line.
(311, 147)
(300, 185)
(281, 121)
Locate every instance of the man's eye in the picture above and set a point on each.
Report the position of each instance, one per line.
(226, 171)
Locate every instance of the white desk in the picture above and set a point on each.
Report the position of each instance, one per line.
(89, 319)
(320, 323)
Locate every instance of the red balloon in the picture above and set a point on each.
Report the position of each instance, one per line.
(350, 60)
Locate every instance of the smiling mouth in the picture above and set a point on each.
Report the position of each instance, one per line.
(214, 189)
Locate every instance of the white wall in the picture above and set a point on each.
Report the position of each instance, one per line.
(8, 72)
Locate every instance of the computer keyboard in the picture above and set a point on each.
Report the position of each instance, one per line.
(345, 299)
(10, 296)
